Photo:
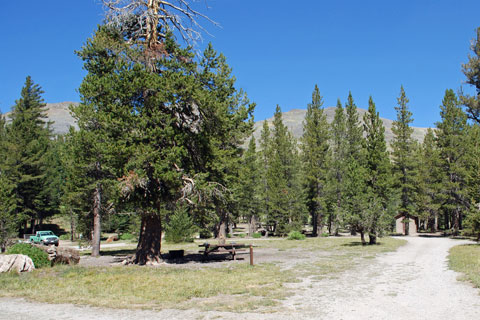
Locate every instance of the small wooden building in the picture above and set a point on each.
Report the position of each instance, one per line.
(400, 224)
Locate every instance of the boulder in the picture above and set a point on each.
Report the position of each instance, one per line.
(16, 262)
(113, 237)
(60, 254)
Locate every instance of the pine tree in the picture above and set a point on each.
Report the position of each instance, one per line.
(472, 71)
(452, 148)
(355, 183)
(28, 137)
(8, 219)
(315, 158)
(249, 187)
(354, 129)
(378, 174)
(104, 120)
(265, 158)
(428, 181)
(337, 172)
(404, 163)
(286, 209)
(228, 122)
(472, 221)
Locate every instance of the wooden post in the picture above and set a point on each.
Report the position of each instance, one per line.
(251, 255)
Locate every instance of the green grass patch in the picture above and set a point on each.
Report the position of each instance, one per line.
(466, 259)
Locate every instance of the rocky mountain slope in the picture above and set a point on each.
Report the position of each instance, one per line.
(59, 113)
(293, 119)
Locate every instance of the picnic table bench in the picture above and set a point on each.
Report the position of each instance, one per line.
(232, 248)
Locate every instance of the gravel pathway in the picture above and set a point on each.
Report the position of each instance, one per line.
(411, 283)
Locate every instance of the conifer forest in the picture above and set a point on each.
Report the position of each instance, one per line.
(164, 149)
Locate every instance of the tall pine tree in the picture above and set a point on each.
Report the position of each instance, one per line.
(378, 174)
(451, 143)
(28, 137)
(404, 163)
(336, 174)
(315, 158)
(8, 219)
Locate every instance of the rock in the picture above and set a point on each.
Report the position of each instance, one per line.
(61, 255)
(113, 237)
(16, 262)
(66, 256)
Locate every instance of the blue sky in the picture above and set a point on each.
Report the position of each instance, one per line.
(278, 49)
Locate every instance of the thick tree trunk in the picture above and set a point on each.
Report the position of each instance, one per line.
(149, 242)
(372, 238)
(97, 206)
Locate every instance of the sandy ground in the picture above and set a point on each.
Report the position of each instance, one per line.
(412, 283)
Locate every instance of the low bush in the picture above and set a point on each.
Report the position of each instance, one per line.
(126, 236)
(38, 256)
(257, 235)
(295, 235)
(65, 236)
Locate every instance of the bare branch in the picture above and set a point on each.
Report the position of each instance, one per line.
(152, 19)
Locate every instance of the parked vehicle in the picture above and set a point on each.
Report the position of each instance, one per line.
(44, 237)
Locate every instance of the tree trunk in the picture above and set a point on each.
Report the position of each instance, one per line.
(314, 224)
(72, 226)
(362, 237)
(456, 222)
(372, 238)
(319, 224)
(407, 224)
(252, 226)
(150, 240)
(220, 229)
(97, 206)
(32, 225)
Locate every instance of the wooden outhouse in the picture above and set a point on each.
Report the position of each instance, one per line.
(400, 224)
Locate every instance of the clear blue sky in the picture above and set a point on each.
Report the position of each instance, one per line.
(278, 49)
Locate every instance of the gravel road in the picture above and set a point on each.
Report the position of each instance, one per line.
(412, 283)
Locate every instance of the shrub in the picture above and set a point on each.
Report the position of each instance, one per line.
(65, 236)
(257, 235)
(325, 234)
(241, 235)
(180, 228)
(205, 234)
(295, 235)
(38, 256)
(126, 236)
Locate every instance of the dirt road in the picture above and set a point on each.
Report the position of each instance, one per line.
(411, 283)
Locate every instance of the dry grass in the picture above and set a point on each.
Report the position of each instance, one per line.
(227, 287)
(466, 259)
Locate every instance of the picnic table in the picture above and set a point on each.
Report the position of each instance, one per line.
(232, 248)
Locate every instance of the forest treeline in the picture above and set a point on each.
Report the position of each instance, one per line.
(159, 147)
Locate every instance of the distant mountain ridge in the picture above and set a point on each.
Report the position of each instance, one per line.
(59, 113)
(294, 118)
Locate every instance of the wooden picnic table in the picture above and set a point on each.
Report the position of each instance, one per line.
(231, 248)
